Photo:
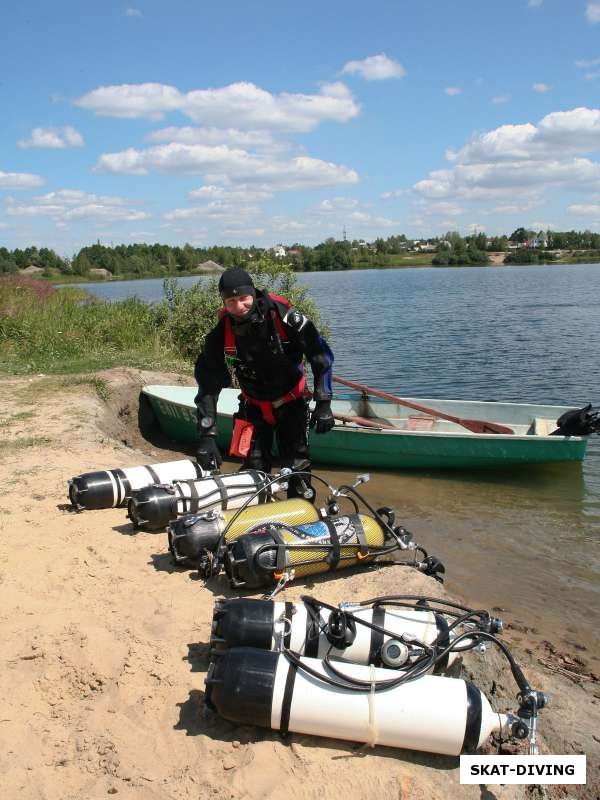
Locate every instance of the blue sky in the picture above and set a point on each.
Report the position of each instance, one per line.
(258, 123)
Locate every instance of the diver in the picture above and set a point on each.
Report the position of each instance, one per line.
(261, 340)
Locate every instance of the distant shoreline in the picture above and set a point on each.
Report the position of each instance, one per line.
(494, 262)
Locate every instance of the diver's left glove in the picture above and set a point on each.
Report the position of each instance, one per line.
(208, 454)
(322, 417)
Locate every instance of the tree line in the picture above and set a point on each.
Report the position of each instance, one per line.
(135, 260)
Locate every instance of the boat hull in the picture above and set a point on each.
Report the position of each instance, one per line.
(354, 446)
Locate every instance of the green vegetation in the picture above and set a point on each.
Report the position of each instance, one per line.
(44, 330)
(527, 256)
(456, 251)
(7, 445)
(159, 260)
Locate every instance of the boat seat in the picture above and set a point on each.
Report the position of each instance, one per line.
(418, 422)
(543, 426)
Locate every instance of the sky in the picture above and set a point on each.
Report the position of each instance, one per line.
(277, 122)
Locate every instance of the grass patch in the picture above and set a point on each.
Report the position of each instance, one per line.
(99, 385)
(43, 330)
(10, 445)
(19, 417)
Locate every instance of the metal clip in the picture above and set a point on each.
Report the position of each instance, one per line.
(286, 577)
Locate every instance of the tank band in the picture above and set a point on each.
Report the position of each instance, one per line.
(443, 640)
(153, 474)
(473, 721)
(378, 618)
(286, 704)
(123, 485)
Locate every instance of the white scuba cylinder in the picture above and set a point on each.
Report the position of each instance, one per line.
(434, 714)
(112, 487)
(154, 506)
(303, 627)
(422, 625)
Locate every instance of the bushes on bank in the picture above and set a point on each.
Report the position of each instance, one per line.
(43, 329)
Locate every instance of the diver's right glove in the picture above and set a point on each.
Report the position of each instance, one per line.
(208, 454)
(322, 418)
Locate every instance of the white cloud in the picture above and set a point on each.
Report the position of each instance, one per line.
(393, 193)
(362, 219)
(450, 209)
(541, 87)
(512, 208)
(75, 197)
(261, 140)
(536, 225)
(133, 12)
(452, 91)
(501, 98)
(68, 205)
(592, 12)
(559, 134)
(220, 164)
(53, 138)
(587, 63)
(338, 204)
(151, 100)
(239, 105)
(375, 68)
(535, 3)
(241, 193)
(496, 180)
(217, 209)
(20, 180)
(585, 210)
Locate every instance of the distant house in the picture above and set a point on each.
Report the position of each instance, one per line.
(100, 272)
(541, 240)
(209, 266)
(31, 270)
(278, 251)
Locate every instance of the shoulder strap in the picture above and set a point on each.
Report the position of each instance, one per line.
(229, 347)
(276, 302)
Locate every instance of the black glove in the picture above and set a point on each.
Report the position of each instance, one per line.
(208, 455)
(321, 418)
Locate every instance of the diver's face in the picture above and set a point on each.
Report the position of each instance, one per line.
(239, 305)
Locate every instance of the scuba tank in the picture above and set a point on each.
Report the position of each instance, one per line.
(369, 704)
(199, 539)
(110, 488)
(275, 552)
(388, 632)
(154, 506)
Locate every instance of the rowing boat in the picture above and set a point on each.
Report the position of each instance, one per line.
(375, 433)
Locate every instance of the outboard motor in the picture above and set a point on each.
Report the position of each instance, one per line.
(579, 422)
(112, 487)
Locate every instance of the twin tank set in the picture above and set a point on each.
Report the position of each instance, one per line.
(374, 671)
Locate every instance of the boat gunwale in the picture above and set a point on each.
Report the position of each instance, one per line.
(355, 428)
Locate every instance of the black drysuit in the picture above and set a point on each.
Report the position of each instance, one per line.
(267, 365)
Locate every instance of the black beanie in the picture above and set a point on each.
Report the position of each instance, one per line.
(235, 282)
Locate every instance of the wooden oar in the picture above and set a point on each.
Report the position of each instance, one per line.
(474, 425)
(365, 423)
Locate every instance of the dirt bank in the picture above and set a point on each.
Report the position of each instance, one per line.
(105, 643)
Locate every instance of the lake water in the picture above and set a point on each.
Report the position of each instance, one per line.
(524, 540)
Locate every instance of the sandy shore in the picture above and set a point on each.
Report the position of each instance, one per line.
(105, 643)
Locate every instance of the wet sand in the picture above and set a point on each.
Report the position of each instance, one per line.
(105, 643)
